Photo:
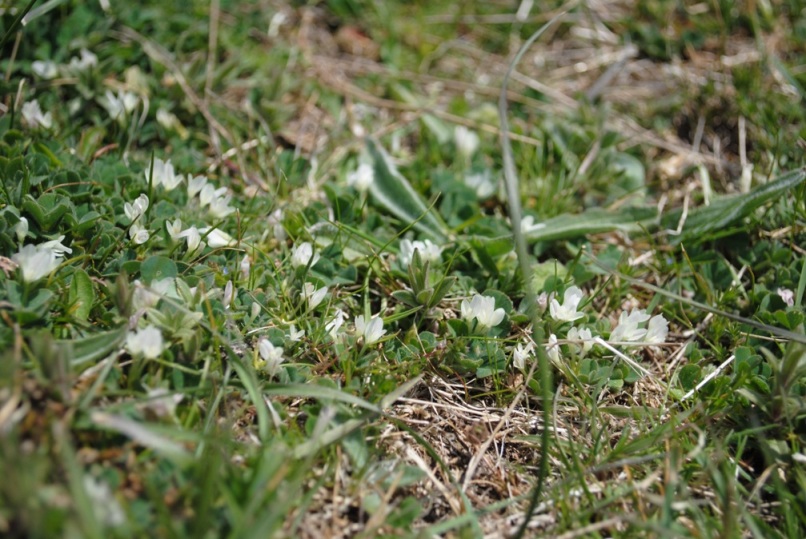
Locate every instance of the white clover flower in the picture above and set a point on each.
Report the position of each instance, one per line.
(170, 122)
(272, 356)
(255, 310)
(35, 262)
(142, 297)
(209, 193)
(361, 178)
(174, 229)
(657, 330)
(467, 141)
(429, 252)
(294, 335)
(220, 208)
(138, 234)
(521, 353)
(146, 342)
(245, 267)
(163, 174)
(165, 118)
(303, 255)
(335, 324)
(86, 61)
(56, 246)
(553, 349)
(32, 114)
(371, 329)
(567, 312)
(104, 505)
(216, 238)
(137, 208)
(528, 225)
(482, 309)
(627, 329)
(45, 69)
(312, 296)
(482, 183)
(196, 184)
(229, 291)
(193, 238)
(21, 229)
(787, 295)
(581, 334)
(161, 402)
(276, 222)
(119, 106)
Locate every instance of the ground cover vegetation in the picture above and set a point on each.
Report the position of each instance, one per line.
(259, 276)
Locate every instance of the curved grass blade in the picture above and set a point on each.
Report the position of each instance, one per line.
(727, 210)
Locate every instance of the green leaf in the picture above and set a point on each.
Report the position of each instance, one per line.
(689, 376)
(727, 210)
(394, 192)
(156, 268)
(81, 295)
(93, 348)
(593, 221)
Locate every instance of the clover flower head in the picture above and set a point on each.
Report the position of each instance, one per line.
(104, 503)
(193, 238)
(245, 266)
(120, 105)
(138, 234)
(170, 122)
(196, 184)
(429, 252)
(219, 206)
(482, 309)
(21, 229)
(361, 178)
(56, 246)
(657, 330)
(467, 142)
(271, 356)
(482, 183)
(528, 225)
(581, 334)
(335, 324)
(787, 295)
(567, 312)
(627, 329)
(146, 342)
(85, 61)
(294, 335)
(553, 349)
(137, 208)
(276, 223)
(313, 296)
(209, 193)
(161, 402)
(371, 329)
(521, 353)
(36, 262)
(229, 292)
(45, 69)
(174, 229)
(216, 238)
(163, 174)
(32, 114)
(303, 255)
